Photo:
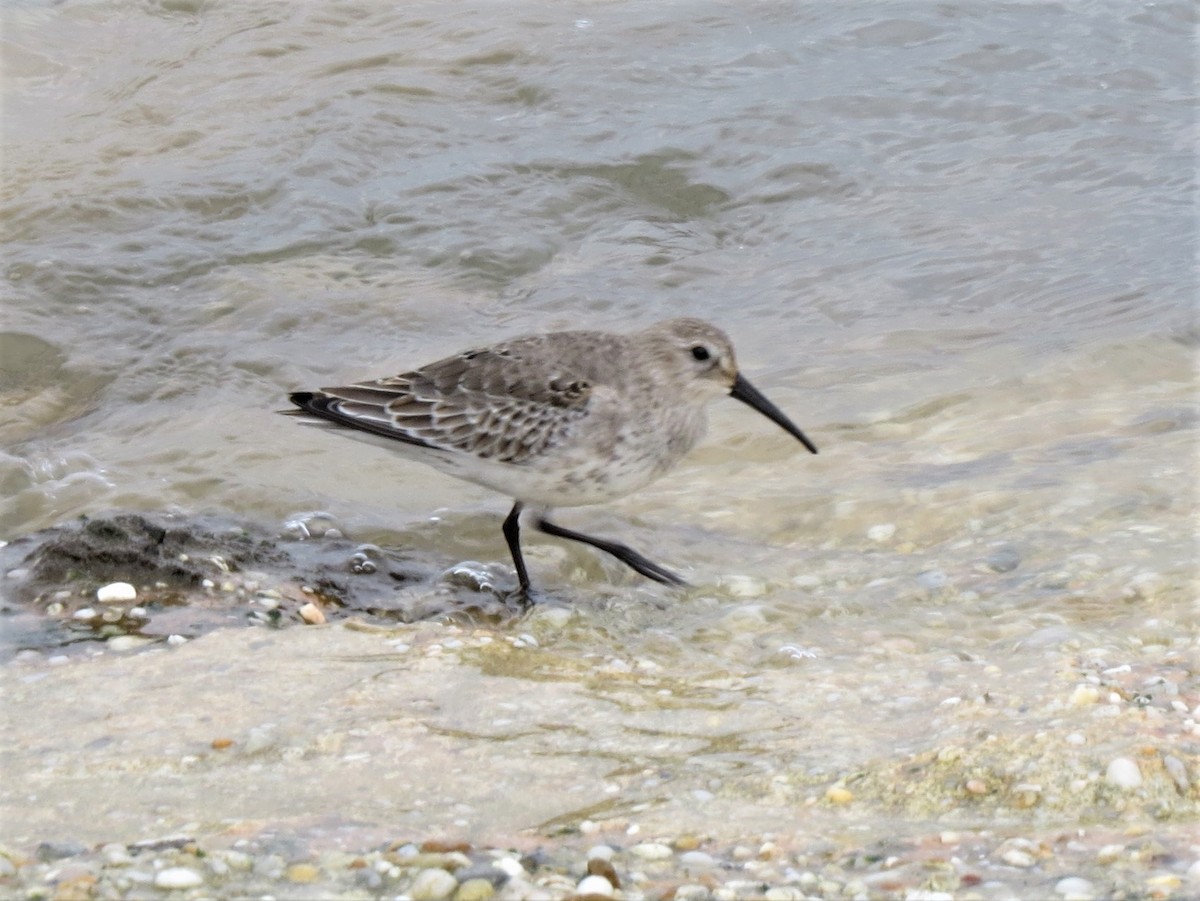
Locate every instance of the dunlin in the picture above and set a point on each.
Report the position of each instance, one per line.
(555, 420)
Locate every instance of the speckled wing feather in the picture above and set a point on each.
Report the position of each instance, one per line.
(490, 403)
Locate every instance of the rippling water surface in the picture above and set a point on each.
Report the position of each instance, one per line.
(954, 241)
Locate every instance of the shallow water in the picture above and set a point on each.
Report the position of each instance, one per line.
(954, 242)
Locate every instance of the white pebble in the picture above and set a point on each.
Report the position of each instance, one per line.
(432, 884)
(594, 885)
(1075, 888)
(600, 852)
(1015, 857)
(176, 640)
(116, 593)
(122, 643)
(1193, 873)
(882, 532)
(509, 866)
(1123, 773)
(651, 851)
(177, 877)
(741, 586)
(84, 613)
(697, 860)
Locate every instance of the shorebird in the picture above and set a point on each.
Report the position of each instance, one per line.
(555, 420)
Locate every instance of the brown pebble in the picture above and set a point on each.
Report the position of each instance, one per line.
(303, 872)
(77, 889)
(600, 867)
(357, 864)
(687, 843)
(837, 794)
(220, 744)
(312, 614)
(445, 846)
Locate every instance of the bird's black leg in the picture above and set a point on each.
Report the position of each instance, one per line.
(626, 555)
(512, 534)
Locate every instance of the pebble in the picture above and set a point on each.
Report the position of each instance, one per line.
(837, 794)
(477, 889)
(116, 593)
(1084, 695)
(1004, 559)
(932, 579)
(651, 851)
(595, 886)
(1075, 888)
(121, 643)
(600, 852)
(510, 867)
(302, 872)
(1178, 772)
(1123, 773)
(432, 885)
(177, 877)
(115, 854)
(48, 851)
(312, 614)
(697, 860)
(1015, 857)
(883, 532)
(741, 586)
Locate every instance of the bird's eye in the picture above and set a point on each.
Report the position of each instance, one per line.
(700, 352)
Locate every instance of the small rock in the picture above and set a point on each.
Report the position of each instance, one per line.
(697, 860)
(598, 867)
(932, 579)
(741, 586)
(1123, 773)
(596, 886)
(838, 794)
(432, 885)
(120, 643)
(477, 889)
(302, 873)
(1083, 695)
(177, 877)
(883, 532)
(48, 851)
(511, 867)
(1015, 857)
(84, 613)
(600, 852)
(1004, 559)
(1145, 586)
(1110, 853)
(977, 787)
(115, 854)
(1193, 873)
(312, 614)
(1178, 772)
(116, 593)
(1075, 888)
(651, 851)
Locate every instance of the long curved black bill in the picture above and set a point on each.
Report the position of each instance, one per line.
(751, 397)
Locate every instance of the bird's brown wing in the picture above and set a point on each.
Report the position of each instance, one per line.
(494, 403)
